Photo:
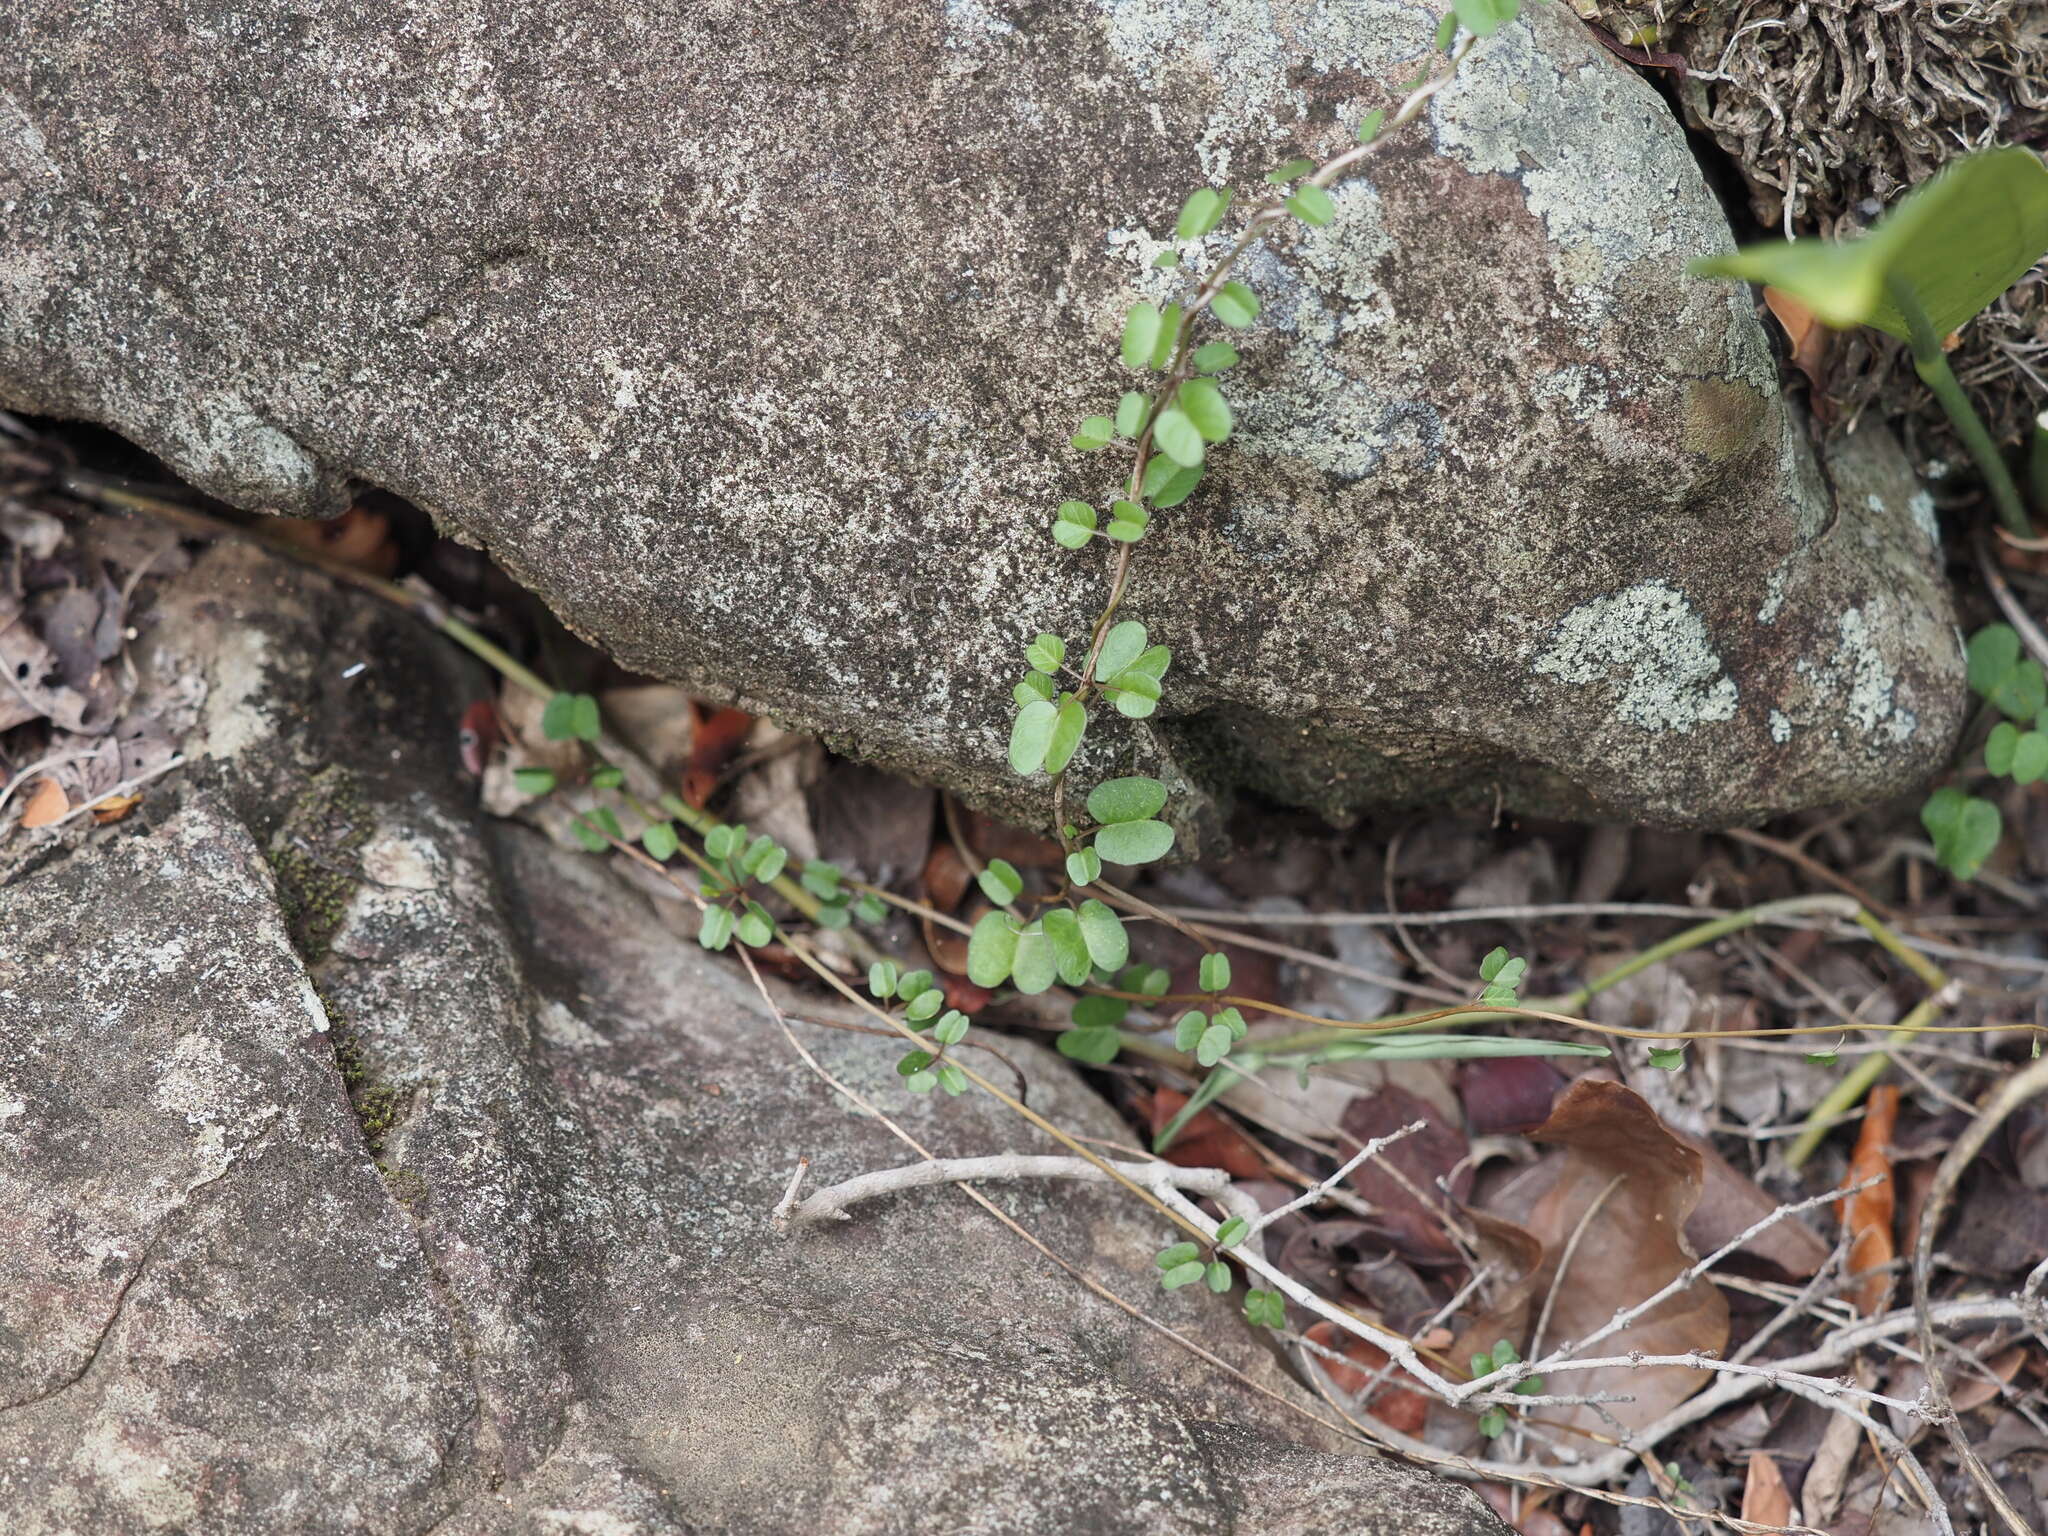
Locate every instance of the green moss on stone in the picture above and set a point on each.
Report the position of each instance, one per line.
(314, 859)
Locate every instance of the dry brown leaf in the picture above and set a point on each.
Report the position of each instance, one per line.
(47, 803)
(1730, 1204)
(1867, 1214)
(114, 808)
(1805, 336)
(1624, 1184)
(1765, 1498)
(1396, 1407)
(1207, 1141)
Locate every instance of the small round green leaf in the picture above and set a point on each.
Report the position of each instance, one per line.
(1134, 842)
(1127, 799)
(1000, 882)
(1215, 356)
(715, 931)
(1214, 1045)
(1103, 932)
(1207, 409)
(1312, 205)
(1999, 747)
(1031, 735)
(1141, 335)
(1093, 433)
(1069, 727)
(1124, 643)
(660, 840)
(1290, 170)
(1046, 652)
(1084, 866)
(1215, 972)
(533, 781)
(1069, 947)
(1096, 1046)
(991, 950)
(1178, 437)
(1130, 413)
(1202, 212)
(1036, 965)
(2030, 758)
(1235, 305)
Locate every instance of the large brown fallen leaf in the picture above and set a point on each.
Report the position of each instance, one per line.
(1867, 1214)
(1622, 1185)
(1731, 1203)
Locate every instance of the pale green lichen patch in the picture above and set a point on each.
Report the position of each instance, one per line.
(1858, 679)
(1649, 645)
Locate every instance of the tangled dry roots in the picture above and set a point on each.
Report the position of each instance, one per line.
(1833, 108)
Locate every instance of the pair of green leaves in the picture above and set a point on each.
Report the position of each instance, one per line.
(749, 923)
(1150, 335)
(1067, 944)
(1095, 1039)
(1132, 674)
(1209, 1037)
(1198, 416)
(1965, 828)
(1046, 734)
(922, 1071)
(570, 717)
(1502, 973)
(761, 858)
(1127, 810)
(1494, 1422)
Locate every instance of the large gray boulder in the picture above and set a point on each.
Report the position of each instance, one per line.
(751, 337)
(366, 1167)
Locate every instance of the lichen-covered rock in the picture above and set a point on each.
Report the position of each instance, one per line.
(457, 1218)
(751, 338)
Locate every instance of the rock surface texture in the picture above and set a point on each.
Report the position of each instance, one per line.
(751, 336)
(367, 1167)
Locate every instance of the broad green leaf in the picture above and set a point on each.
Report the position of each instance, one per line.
(1182, 1274)
(1093, 1012)
(1103, 932)
(1369, 125)
(1202, 212)
(755, 927)
(1084, 866)
(1178, 437)
(915, 985)
(924, 1007)
(1036, 965)
(1127, 799)
(1265, 1309)
(1134, 842)
(715, 931)
(1067, 730)
(660, 840)
(1141, 334)
(1215, 356)
(1483, 18)
(1964, 828)
(1187, 1030)
(1214, 1045)
(1217, 1277)
(1232, 1232)
(1074, 525)
(1999, 747)
(1169, 336)
(1031, 735)
(1493, 1423)
(1205, 406)
(1234, 1021)
(1069, 948)
(1034, 685)
(2030, 758)
(1993, 652)
(1151, 980)
(608, 822)
(1000, 882)
(1120, 647)
(1153, 661)
(1046, 652)
(1135, 694)
(1668, 1058)
(1130, 413)
(1214, 972)
(570, 717)
(1128, 522)
(951, 1029)
(1956, 242)
(882, 978)
(2022, 692)
(1093, 433)
(1097, 1046)
(1235, 305)
(991, 950)
(533, 781)
(1312, 205)
(1447, 30)
(1289, 170)
(1176, 487)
